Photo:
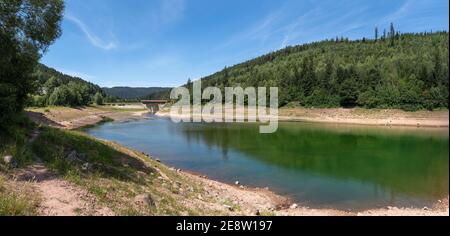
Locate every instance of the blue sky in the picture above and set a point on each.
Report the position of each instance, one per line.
(165, 42)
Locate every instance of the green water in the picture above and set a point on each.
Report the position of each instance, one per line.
(345, 167)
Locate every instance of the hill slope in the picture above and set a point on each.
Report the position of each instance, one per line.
(408, 71)
(133, 93)
(56, 88)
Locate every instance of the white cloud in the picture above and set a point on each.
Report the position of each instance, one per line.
(93, 39)
(78, 74)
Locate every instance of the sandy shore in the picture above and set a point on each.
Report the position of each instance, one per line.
(74, 118)
(376, 117)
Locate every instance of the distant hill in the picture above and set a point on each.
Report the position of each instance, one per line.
(44, 73)
(133, 93)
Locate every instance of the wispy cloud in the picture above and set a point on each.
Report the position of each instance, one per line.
(78, 74)
(292, 29)
(399, 13)
(317, 21)
(261, 30)
(292, 21)
(93, 39)
(169, 11)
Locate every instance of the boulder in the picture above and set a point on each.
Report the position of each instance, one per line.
(144, 200)
(10, 161)
(86, 166)
(72, 156)
(230, 208)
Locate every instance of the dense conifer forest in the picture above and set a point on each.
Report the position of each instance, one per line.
(406, 71)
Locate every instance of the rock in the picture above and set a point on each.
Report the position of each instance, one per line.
(158, 160)
(86, 166)
(230, 208)
(241, 187)
(10, 161)
(72, 156)
(266, 188)
(293, 206)
(426, 209)
(257, 213)
(200, 197)
(237, 182)
(144, 200)
(392, 208)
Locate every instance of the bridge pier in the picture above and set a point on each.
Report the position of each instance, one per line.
(154, 108)
(154, 105)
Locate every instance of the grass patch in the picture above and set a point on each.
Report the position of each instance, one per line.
(13, 141)
(16, 201)
(113, 174)
(114, 177)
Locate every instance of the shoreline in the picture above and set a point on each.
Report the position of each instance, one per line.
(355, 116)
(263, 201)
(283, 206)
(77, 118)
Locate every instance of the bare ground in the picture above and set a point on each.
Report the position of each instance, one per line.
(59, 197)
(74, 118)
(376, 117)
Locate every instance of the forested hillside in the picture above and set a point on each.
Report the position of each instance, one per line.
(58, 89)
(133, 93)
(407, 71)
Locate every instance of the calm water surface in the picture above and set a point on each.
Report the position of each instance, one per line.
(344, 167)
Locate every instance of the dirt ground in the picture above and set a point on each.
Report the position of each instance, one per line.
(73, 118)
(379, 117)
(59, 197)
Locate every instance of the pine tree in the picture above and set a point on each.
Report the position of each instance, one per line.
(392, 34)
(376, 34)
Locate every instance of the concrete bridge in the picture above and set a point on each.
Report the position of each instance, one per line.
(154, 105)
